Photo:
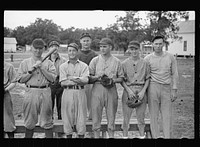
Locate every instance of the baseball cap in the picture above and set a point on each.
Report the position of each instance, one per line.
(85, 35)
(38, 43)
(106, 41)
(134, 44)
(74, 45)
(157, 37)
(54, 43)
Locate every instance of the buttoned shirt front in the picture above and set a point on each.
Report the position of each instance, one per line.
(163, 69)
(135, 72)
(79, 69)
(9, 73)
(111, 67)
(37, 79)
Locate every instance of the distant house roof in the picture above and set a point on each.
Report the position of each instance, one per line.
(187, 26)
(8, 40)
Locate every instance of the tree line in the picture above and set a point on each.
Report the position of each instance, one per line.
(125, 29)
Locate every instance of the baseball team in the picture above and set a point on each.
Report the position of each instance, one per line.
(75, 83)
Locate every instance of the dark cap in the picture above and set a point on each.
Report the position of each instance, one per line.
(38, 43)
(74, 45)
(106, 41)
(85, 35)
(54, 43)
(157, 37)
(134, 44)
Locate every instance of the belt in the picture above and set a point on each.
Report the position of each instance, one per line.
(74, 87)
(32, 86)
(136, 85)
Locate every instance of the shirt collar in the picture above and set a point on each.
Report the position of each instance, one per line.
(77, 61)
(57, 58)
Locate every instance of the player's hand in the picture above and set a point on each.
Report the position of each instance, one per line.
(141, 94)
(37, 64)
(130, 93)
(173, 95)
(76, 80)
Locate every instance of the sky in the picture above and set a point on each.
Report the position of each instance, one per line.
(67, 19)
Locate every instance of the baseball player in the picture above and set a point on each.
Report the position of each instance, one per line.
(37, 76)
(105, 64)
(73, 76)
(56, 89)
(9, 84)
(136, 81)
(86, 55)
(162, 90)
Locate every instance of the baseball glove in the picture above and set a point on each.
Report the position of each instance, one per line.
(106, 81)
(133, 102)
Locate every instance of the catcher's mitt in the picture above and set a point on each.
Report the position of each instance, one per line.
(133, 102)
(106, 81)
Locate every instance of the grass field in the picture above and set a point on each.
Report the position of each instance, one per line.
(183, 110)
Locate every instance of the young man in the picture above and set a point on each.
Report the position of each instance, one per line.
(73, 76)
(136, 81)
(105, 64)
(9, 84)
(56, 89)
(162, 90)
(86, 55)
(37, 76)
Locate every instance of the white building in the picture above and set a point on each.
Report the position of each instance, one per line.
(186, 46)
(10, 44)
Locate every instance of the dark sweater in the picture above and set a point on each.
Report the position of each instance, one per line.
(86, 56)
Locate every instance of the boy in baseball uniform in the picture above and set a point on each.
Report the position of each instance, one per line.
(162, 90)
(56, 89)
(136, 80)
(73, 76)
(9, 83)
(86, 54)
(37, 76)
(105, 64)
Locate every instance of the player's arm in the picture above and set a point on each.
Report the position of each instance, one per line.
(147, 80)
(49, 72)
(23, 74)
(64, 80)
(12, 75)
(120, 74)
(92, 68)
(83, 79)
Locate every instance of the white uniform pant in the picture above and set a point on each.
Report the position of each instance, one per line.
(74, 111)
(37, 102)
(159, 100)
(8, 117)
(140, 110)
(104, 97)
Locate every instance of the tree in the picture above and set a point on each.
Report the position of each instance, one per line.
(19, 34)
(164, 23)
(45, 29)
(7, 32)
(126, 28)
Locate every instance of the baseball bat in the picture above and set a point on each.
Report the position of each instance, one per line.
(46, 56)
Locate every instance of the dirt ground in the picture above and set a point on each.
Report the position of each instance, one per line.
(183, 107)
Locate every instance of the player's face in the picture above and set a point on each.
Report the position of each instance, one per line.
(158, 45)
(135, 52)
(105, 48)
(72, 53)
(85, 42)
(37, 52)
(55, 54)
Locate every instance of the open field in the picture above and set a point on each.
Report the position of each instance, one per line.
(183, 111)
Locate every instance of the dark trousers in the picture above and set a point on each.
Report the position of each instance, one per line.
(56, 93)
